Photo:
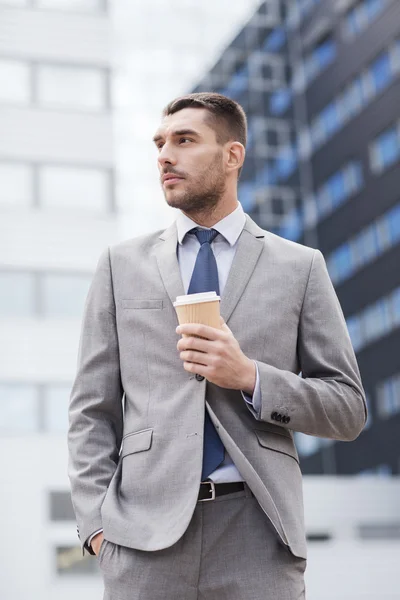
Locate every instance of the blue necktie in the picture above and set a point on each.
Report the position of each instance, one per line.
(205, 279)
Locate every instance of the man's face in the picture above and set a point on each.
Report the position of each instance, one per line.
(190, 161)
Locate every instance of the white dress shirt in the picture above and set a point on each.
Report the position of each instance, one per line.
(224, 248)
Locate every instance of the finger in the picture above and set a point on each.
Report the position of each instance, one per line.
(196, 369)
(194, 343)
(210, 333)
(199, 358)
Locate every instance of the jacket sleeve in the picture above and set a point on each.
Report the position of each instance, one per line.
(95, 410)
(328, 399)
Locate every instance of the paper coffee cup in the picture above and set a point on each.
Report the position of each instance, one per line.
(200, 308)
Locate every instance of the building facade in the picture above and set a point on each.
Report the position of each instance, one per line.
(321, 89)
(57, 213)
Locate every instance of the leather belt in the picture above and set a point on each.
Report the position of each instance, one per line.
(210, 490)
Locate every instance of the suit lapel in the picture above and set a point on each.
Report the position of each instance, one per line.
(249, 248)
(168, 265)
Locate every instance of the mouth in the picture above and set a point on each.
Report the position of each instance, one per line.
(171, 179)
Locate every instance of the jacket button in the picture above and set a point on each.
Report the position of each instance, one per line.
(274, 415)
(199, 377)
(285, 420)
(278, 417)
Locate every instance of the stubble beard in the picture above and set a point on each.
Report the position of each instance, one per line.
(203, 194)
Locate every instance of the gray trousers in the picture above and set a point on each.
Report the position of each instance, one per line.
(230, 551)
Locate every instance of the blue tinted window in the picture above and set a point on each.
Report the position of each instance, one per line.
(275, 40)
(355, 331)
(239, 83)
(337, 189)
(393, 221)
(388, 147)
(247, 196)
(374, 7)
(330, 119)
(396, 306)
(280, 101)
(325, 53)
(342, 260)
(381, 72)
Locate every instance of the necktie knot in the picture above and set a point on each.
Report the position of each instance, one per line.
(205, 235)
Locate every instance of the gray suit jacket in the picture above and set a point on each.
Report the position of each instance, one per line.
(136, 416)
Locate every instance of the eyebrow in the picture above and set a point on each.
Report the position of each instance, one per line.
(176, 133)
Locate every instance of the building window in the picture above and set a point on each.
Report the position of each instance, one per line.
(56, 401)
(355, 96)
(322, 55)
(365, 247)
(388, 397)
(18, 294)
(15, 82)
(63, 295)
(280, 101)
(66, 87)
(275, 41)
(60, 506)
(385, 149)
(16, 184)
(375, 321)
(74, 187)
(360, 16)
(339, 188)
(69, 561)
(19, 406)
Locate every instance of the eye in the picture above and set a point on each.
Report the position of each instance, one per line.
(159, 146)
(185, 139)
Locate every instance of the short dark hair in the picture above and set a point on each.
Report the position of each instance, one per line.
(227, 117)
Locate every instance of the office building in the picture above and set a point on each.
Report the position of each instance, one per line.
(320, 83)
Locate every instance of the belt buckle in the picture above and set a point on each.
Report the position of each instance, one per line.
(212, 490)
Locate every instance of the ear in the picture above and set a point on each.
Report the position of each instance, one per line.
(236, 154)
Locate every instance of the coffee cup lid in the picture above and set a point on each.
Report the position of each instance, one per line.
(196, 298)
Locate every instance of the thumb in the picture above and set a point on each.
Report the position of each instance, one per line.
(224, 326)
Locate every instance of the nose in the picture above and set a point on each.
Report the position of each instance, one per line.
(166, 156)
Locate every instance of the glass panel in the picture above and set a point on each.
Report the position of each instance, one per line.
(381, 72)
(74, 188)
(280, 101)
(393, 222)
(330, 119)
(275, 40)
(14, 82)
(64, 295)
(72, 87)
(395, 304)
(17, 297)
(56, 407)
(337, 189)
(388, 148)
(19, 408)
(16, 184)
(355, 332)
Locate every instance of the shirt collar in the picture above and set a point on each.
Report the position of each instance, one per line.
(230, 227)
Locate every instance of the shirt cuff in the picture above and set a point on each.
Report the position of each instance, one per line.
(89, 540)
(255, 400)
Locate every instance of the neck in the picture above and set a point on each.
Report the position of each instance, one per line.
(210, 217)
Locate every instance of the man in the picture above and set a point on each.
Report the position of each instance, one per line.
(190, 487)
